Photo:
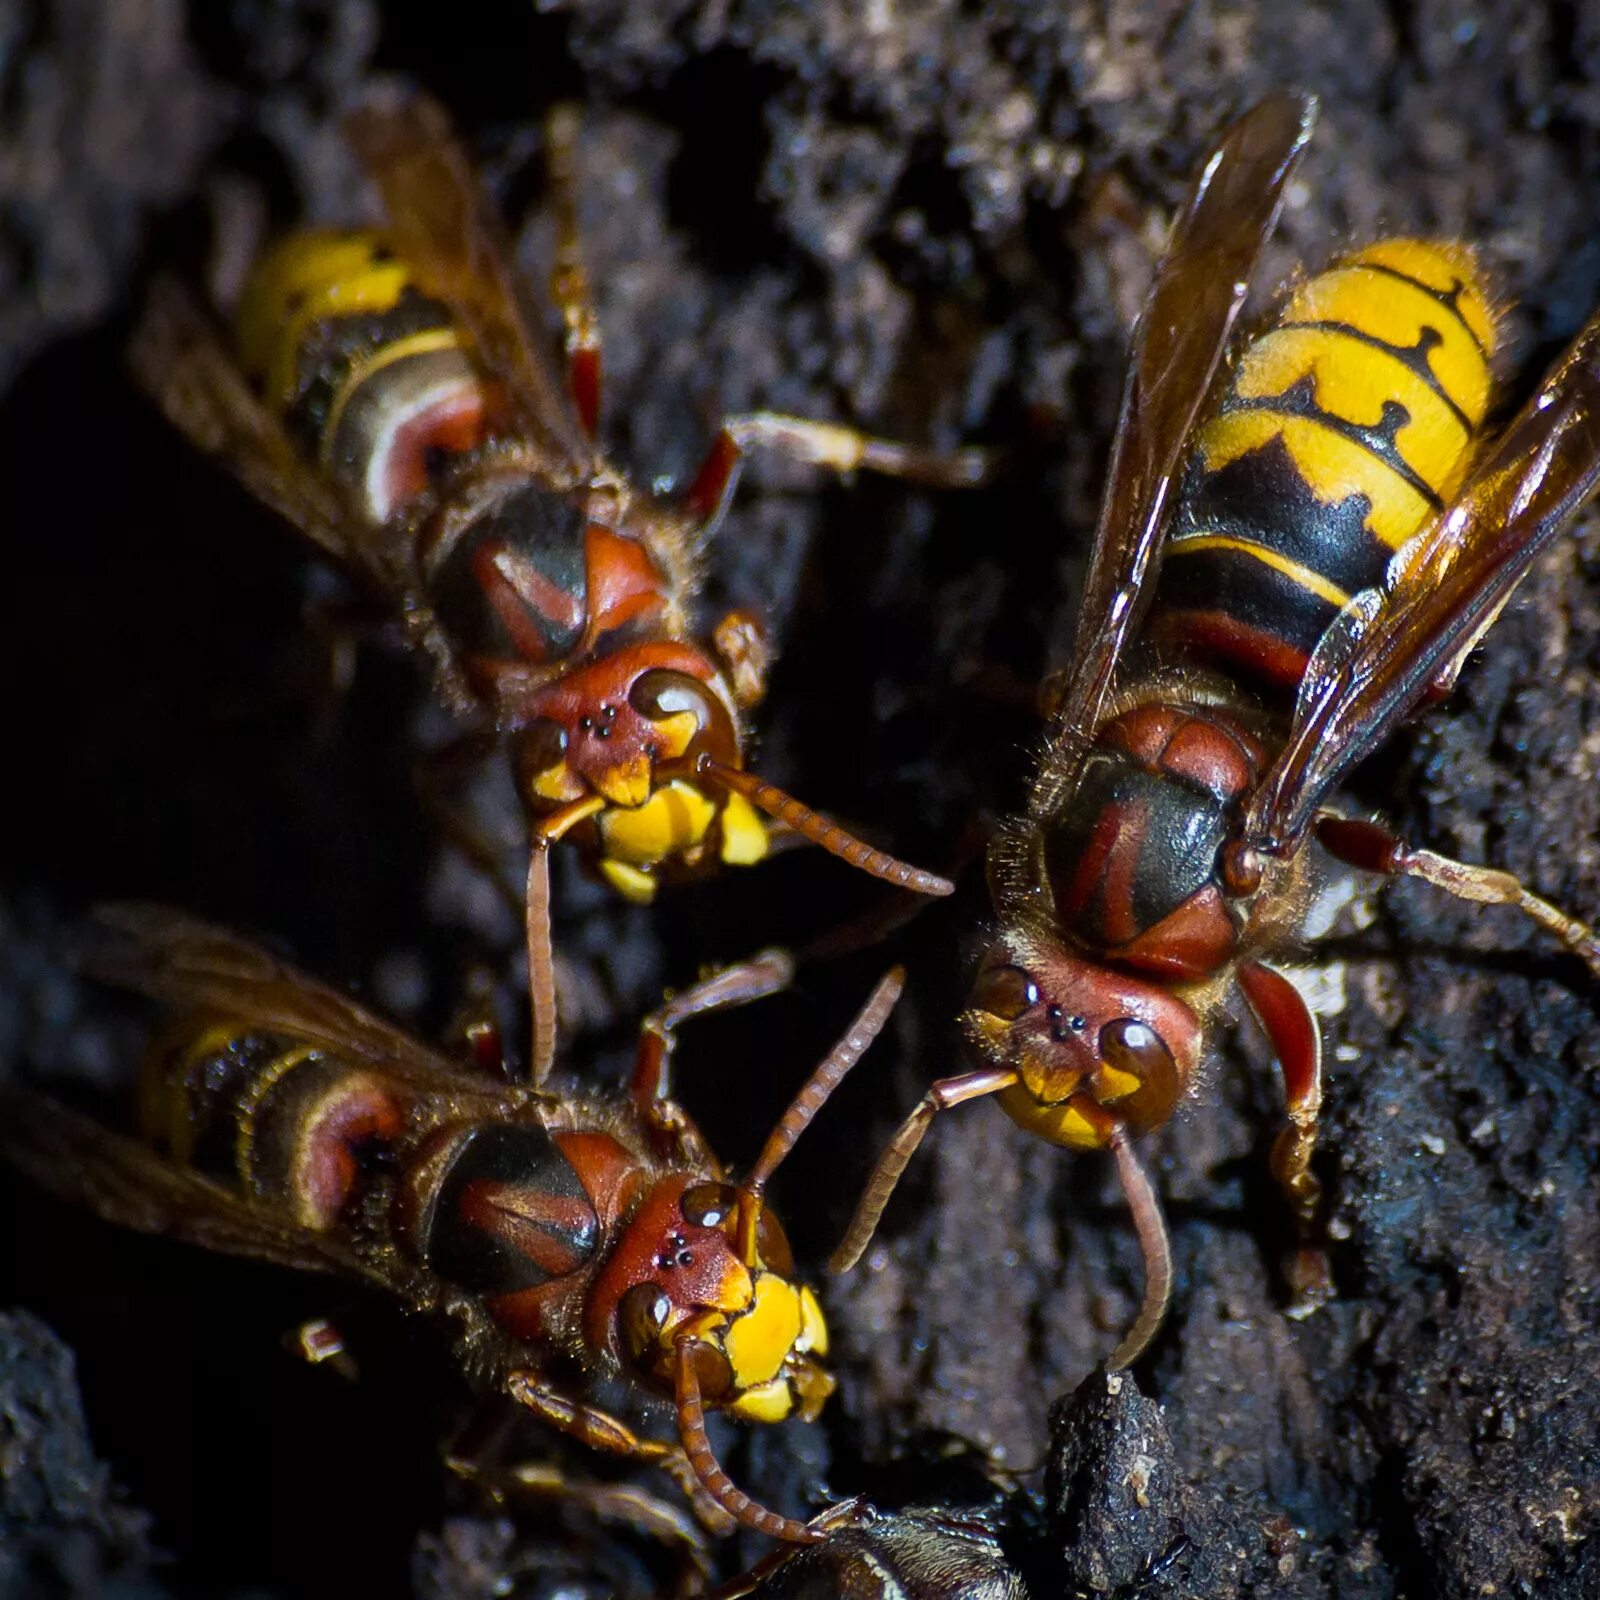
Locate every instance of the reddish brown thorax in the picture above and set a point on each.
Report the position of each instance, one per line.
(1132, 860)
(532, 583)
(511, 1211)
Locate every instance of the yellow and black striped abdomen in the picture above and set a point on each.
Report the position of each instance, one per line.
(282, 1122)
(1344, 429)
(370, 376)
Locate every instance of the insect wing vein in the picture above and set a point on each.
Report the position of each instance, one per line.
(1437, 602)
(1178, 347)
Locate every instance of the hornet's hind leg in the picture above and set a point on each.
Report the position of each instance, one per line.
(1374, 848)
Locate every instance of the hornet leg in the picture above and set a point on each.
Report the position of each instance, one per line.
(569, 283)
(941, 1096)
(1373, 848)
(650, 1088)
(599, 1430)
(823, 444)
(1297, 1043)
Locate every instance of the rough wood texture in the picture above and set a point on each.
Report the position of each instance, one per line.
(936, 218)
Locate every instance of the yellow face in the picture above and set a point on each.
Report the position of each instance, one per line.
(1077, 1123)
(1093, 1050)
(771, 1342)
(675, 824)
(758, 1336)
(671, 821)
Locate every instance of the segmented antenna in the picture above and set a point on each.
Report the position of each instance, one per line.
(819, 830)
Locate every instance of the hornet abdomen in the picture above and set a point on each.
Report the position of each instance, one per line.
(280, 1121)
(1343, 431)
(369, 375)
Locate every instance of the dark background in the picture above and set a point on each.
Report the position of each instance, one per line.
(936, 219)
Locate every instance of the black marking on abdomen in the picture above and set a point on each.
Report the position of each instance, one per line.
(335, 346)
(1414, 357)
(1239, 586)
(1449, 298)
(1262, 497)
(1299, 401)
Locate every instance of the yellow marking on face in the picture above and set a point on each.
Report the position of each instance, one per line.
(1062, 1124)
(720, 1303)
(1045, 1078)
(1111, 1084)
(1386, 308)
(759, 1342)
(988, 1032)
(813, 1338)
(626, 784)
(676, 732)
(1441, 264)
(559, 783)
(632, 884)
(1354, 381)
(1334, 467)
(675, 818)
(705, 1326)
(745, 840)
(767, 1402)
(737, 1289)
(1300, 574)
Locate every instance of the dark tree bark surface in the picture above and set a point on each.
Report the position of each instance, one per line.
(60, 1519)
(936, 219)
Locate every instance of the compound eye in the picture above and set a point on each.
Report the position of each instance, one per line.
(713, 1370)
(659, 694)
(709, 1205)
(1135, 1047)
(1005, 992)
(541, 745)
(641, 1317)
(772, 1245)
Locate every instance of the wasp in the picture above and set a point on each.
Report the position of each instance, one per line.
(921, 1553)
(1294, 553)
(564, 1242)
(389, 394)
(943, 1520)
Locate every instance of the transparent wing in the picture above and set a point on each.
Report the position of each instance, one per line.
(123, 1182)
(455, 243)
(1442, 591)
(179, 355)
(1177, 347)
(188, 963)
